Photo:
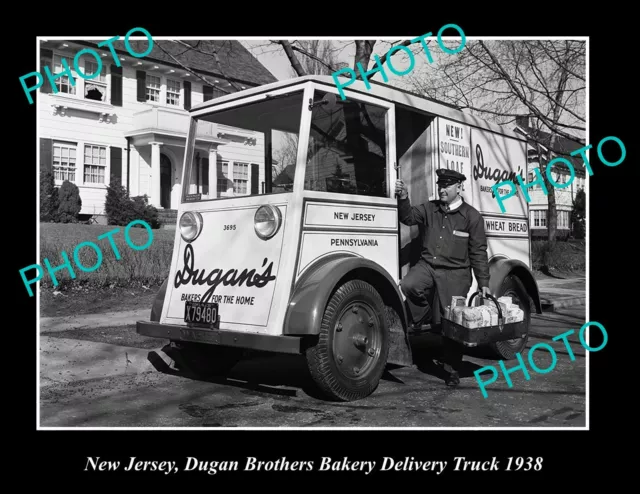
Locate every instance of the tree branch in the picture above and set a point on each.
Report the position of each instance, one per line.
(312, 56)
(551, 125)
(295, 63)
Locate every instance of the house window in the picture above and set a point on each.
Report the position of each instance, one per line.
(223, 176)
(563, 219)
(173, 92)
(153, 88)
(240, 177)
(62, 83)
(64, 161)
(95, 164)
(96, 88)
(540, 218)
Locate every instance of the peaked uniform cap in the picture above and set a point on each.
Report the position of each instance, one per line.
(448, 177)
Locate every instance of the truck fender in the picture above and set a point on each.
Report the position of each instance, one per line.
(501, 268)
(313, 290)
(156, 309)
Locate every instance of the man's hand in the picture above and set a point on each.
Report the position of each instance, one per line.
(486, 291)
(401, 189)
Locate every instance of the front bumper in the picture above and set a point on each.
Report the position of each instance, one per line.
(252, 341)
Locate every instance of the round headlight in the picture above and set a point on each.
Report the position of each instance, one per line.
(267, 221)
(190, 225)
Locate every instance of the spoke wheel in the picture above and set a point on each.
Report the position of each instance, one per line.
(353, 344)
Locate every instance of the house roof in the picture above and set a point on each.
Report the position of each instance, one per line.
(562, 148)
(236, 62)
(287, 175)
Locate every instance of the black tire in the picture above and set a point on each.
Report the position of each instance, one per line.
(353, 344)
(204, 361)
(513, 287)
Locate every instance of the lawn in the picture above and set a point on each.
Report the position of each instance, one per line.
(117, 284)
(135, 267)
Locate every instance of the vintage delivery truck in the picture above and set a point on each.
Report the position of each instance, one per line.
(300, 251)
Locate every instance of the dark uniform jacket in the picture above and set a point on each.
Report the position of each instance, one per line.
(454, 239)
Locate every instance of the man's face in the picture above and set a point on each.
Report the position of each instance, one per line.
(448, 193)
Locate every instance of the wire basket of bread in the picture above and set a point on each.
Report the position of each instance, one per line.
(489, 319)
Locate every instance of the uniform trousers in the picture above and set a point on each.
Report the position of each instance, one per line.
(420, 286)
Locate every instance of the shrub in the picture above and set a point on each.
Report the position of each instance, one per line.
(116, 204)
(578, 216)
(563, 256)
(70, 203)
(122, 209)
(49, 201)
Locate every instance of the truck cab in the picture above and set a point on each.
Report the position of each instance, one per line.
(303, 252)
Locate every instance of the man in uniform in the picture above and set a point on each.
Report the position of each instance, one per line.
(454, 244)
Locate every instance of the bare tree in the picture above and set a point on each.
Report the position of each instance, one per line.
(503, 80)
(326, 54)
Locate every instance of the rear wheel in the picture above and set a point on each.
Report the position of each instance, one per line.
(203, 360)
(351, 354)
(513, 287)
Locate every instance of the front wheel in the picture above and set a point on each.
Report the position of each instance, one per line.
(513, 287)
(353, 344)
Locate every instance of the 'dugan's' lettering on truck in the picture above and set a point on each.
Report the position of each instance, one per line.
(234, 277)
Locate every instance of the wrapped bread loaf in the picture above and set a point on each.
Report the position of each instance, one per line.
(503, 306)
(515, 315)
(457, 301)
(471, 317)
(456, 314)
(485, 313)
(505, 300)
(493, 311)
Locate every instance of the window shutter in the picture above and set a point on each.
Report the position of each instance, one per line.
(116, 165)
(187, 95)
(205, 176)
(207, 92)
(46, 58)
(141, 76)
(46, 155)
(116, 85)
(255, 172)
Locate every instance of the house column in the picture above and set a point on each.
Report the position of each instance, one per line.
(213, 171)
(155, 174)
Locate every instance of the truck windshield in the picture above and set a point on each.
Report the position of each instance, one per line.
(246, 150)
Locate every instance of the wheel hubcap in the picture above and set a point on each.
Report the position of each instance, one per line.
(356, 340)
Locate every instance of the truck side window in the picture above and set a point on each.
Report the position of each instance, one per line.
(347, 151)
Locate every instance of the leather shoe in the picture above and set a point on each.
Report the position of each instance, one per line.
(453, 379)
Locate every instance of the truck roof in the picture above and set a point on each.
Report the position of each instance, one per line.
(385, 92)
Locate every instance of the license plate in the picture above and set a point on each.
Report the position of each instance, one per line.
(200, 313)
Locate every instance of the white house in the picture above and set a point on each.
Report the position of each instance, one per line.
(539, 205)
(131, 122)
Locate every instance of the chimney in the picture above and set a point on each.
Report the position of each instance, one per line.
(522, 121)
